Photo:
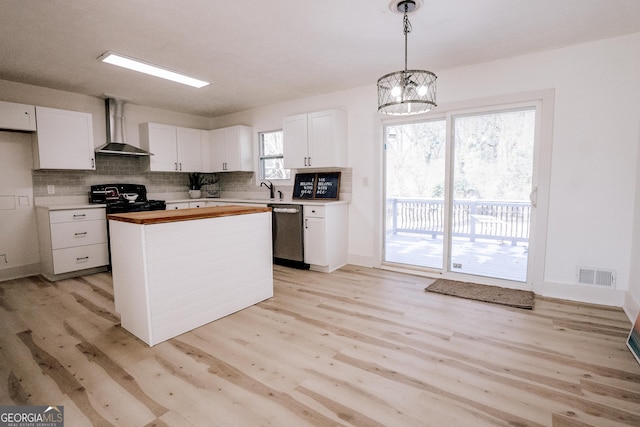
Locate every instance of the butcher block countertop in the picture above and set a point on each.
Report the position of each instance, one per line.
(159, 217)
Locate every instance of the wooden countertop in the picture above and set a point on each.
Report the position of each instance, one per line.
(158, 217)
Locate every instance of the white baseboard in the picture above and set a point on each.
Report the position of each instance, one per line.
(20, 271)
(631, 307)
(362, 260)
(581, 293)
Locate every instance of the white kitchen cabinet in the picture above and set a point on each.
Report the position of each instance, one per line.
(198, 204)
(296, 147)
(73, 242)
(315, 242)
(161, 141)
(209, 204)
(177, 205)
(175, 149)
(231, 149)
(17, 116)
(316, 140)
(325, 236)
(64, 140)
(189, 149)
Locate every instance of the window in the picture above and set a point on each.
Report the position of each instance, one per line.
(271, 156)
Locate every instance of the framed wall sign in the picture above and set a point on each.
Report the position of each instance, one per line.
(317, 186)
(633, 342)
(304, 186)
(327, 186)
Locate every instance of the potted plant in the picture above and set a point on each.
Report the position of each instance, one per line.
(196, 181)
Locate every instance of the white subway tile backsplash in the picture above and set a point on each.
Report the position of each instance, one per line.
(134, 170)
(109, 169)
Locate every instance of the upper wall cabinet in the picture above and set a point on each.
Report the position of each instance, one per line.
(230, 149)
(189, 148)
(175, 149)
(64, 140)
(315, 140)
(17, 116)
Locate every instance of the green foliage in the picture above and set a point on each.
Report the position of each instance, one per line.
(197, 180)
(492, 157)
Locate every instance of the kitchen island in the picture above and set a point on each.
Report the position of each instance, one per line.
(174, 271)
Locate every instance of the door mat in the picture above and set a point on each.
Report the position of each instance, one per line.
(486, 293)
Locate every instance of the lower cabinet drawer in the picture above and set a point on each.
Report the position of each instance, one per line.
(80, 258)
(171, 206)
(76, 215)
(71, 234)
(314, 211)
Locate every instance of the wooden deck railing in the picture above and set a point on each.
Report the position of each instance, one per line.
(475, 219)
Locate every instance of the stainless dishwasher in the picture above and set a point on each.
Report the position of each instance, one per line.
(288, 235)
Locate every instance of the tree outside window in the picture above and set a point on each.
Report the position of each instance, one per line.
(272, 156)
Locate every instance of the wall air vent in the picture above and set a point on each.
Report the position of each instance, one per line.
(594, 276)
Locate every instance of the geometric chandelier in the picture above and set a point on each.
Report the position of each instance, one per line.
(408, 91)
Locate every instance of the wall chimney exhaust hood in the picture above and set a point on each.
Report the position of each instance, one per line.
(116, 143)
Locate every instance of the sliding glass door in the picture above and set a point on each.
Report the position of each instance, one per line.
(457, 192)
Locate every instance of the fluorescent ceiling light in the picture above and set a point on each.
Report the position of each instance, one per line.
(154, 70)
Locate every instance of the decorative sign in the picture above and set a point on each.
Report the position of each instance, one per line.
(633, 342)
(320, 186)
(304, 186)
(327, 186)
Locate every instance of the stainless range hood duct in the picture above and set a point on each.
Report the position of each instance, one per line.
(116, 143)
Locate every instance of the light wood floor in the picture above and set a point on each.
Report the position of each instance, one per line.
(358, 347)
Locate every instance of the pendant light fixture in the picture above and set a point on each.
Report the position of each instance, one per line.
(409, 91)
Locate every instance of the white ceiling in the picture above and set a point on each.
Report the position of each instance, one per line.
(260, 52)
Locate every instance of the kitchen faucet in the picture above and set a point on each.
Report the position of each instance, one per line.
(270, 187)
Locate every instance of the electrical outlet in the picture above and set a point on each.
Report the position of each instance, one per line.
(457, 265)
(51, 189)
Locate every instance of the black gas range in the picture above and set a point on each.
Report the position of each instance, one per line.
(123, 198)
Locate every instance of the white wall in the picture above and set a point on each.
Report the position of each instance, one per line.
(19, 255)
(632, 301)
(594, 157)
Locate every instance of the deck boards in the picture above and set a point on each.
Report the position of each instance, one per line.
(359, 346)
(488, 258)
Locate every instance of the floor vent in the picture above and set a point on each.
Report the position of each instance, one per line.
(592, 276)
